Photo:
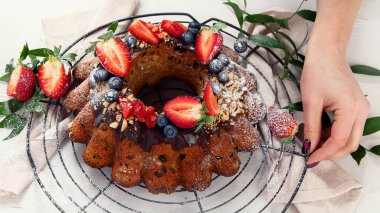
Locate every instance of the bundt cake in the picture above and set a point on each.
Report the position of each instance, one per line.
(181, 139)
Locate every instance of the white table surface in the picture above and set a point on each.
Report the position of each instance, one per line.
(20, 21)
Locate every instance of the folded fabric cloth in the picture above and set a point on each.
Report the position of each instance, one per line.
(13, 157)
(326, 187)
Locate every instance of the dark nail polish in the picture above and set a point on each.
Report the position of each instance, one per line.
(306, 146)
(309, 166)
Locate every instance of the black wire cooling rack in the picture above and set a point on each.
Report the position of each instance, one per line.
(71, 185)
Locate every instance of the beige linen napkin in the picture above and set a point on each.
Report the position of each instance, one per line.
(326, 187)
(15, 170)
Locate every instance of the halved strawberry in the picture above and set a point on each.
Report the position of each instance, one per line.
(174, 28)
(208, 45)
(183, 111)
(143, 32)
(52, 78)
(22, 83)
(150, 117)
(114, 56)
(126, 107)
(139, 110)
(211, 101)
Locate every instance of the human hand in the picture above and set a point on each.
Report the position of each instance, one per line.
(327, 84)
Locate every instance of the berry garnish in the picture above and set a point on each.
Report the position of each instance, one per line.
(150, 117)
(193, 31)
(115, 83)
(111, 95)
(53, 80)
(130, 41)
(240, 46)
(183, 111)
(282, 124)
(223, 77)
(215, 66)
(126, 107)
(187, 37)
(216, 88)
(114, 56)
(170, 131)
(22, 83)
(162, 120)
(142, 31)
(224, 59)
(173, 28)
(211, 101)
(139, 110)
(208, 44)
(195, 25)
(100, 74)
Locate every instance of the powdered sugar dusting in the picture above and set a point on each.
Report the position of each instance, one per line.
(281, 123)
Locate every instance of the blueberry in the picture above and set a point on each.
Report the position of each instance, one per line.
(223, 77)
(115, 83)
(170, 131)
(130, 41)
(193, 31)
(215, 66)
(240, 46)
(224, 59)
(96, 101)
(216, 88)
(111, 95)
(187, 37)
(195, 25)
(101, 75)
(91, 79)
(162, 121)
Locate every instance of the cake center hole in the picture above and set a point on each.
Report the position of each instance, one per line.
(163, 91)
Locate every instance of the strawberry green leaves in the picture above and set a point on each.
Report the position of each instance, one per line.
(16, 121)
(10, 106)
(33, 105)
(8, 71)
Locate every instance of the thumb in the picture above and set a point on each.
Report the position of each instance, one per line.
(312, 123)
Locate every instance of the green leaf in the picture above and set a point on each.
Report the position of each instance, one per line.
(18, 126)
(359, 154)
(24, 53)
(265, 41)
(290, 40)
(9, 120)
(57, 50)
(375, 150)
(366, 70)
(90, 49)
(33, 105)
(307, 14)
(296, 63)
(287, 140)
(33, 62)
(10, 106)
(294, 106)
(199, 126)
(209, 119)
(8, 71)
(238, 12)
(263, 19)
(218, 26)
(41, 52)
(113, 26)
(371, 126)
(69, 57)
(106, 36)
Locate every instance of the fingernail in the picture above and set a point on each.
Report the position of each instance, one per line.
(309, 166)
(306, 146)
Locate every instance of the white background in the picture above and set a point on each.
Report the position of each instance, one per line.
(20, 21)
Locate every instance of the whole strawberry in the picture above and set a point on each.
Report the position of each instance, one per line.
(282, 124)
(22, 83)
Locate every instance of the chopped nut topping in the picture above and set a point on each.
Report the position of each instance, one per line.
(114, 125)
